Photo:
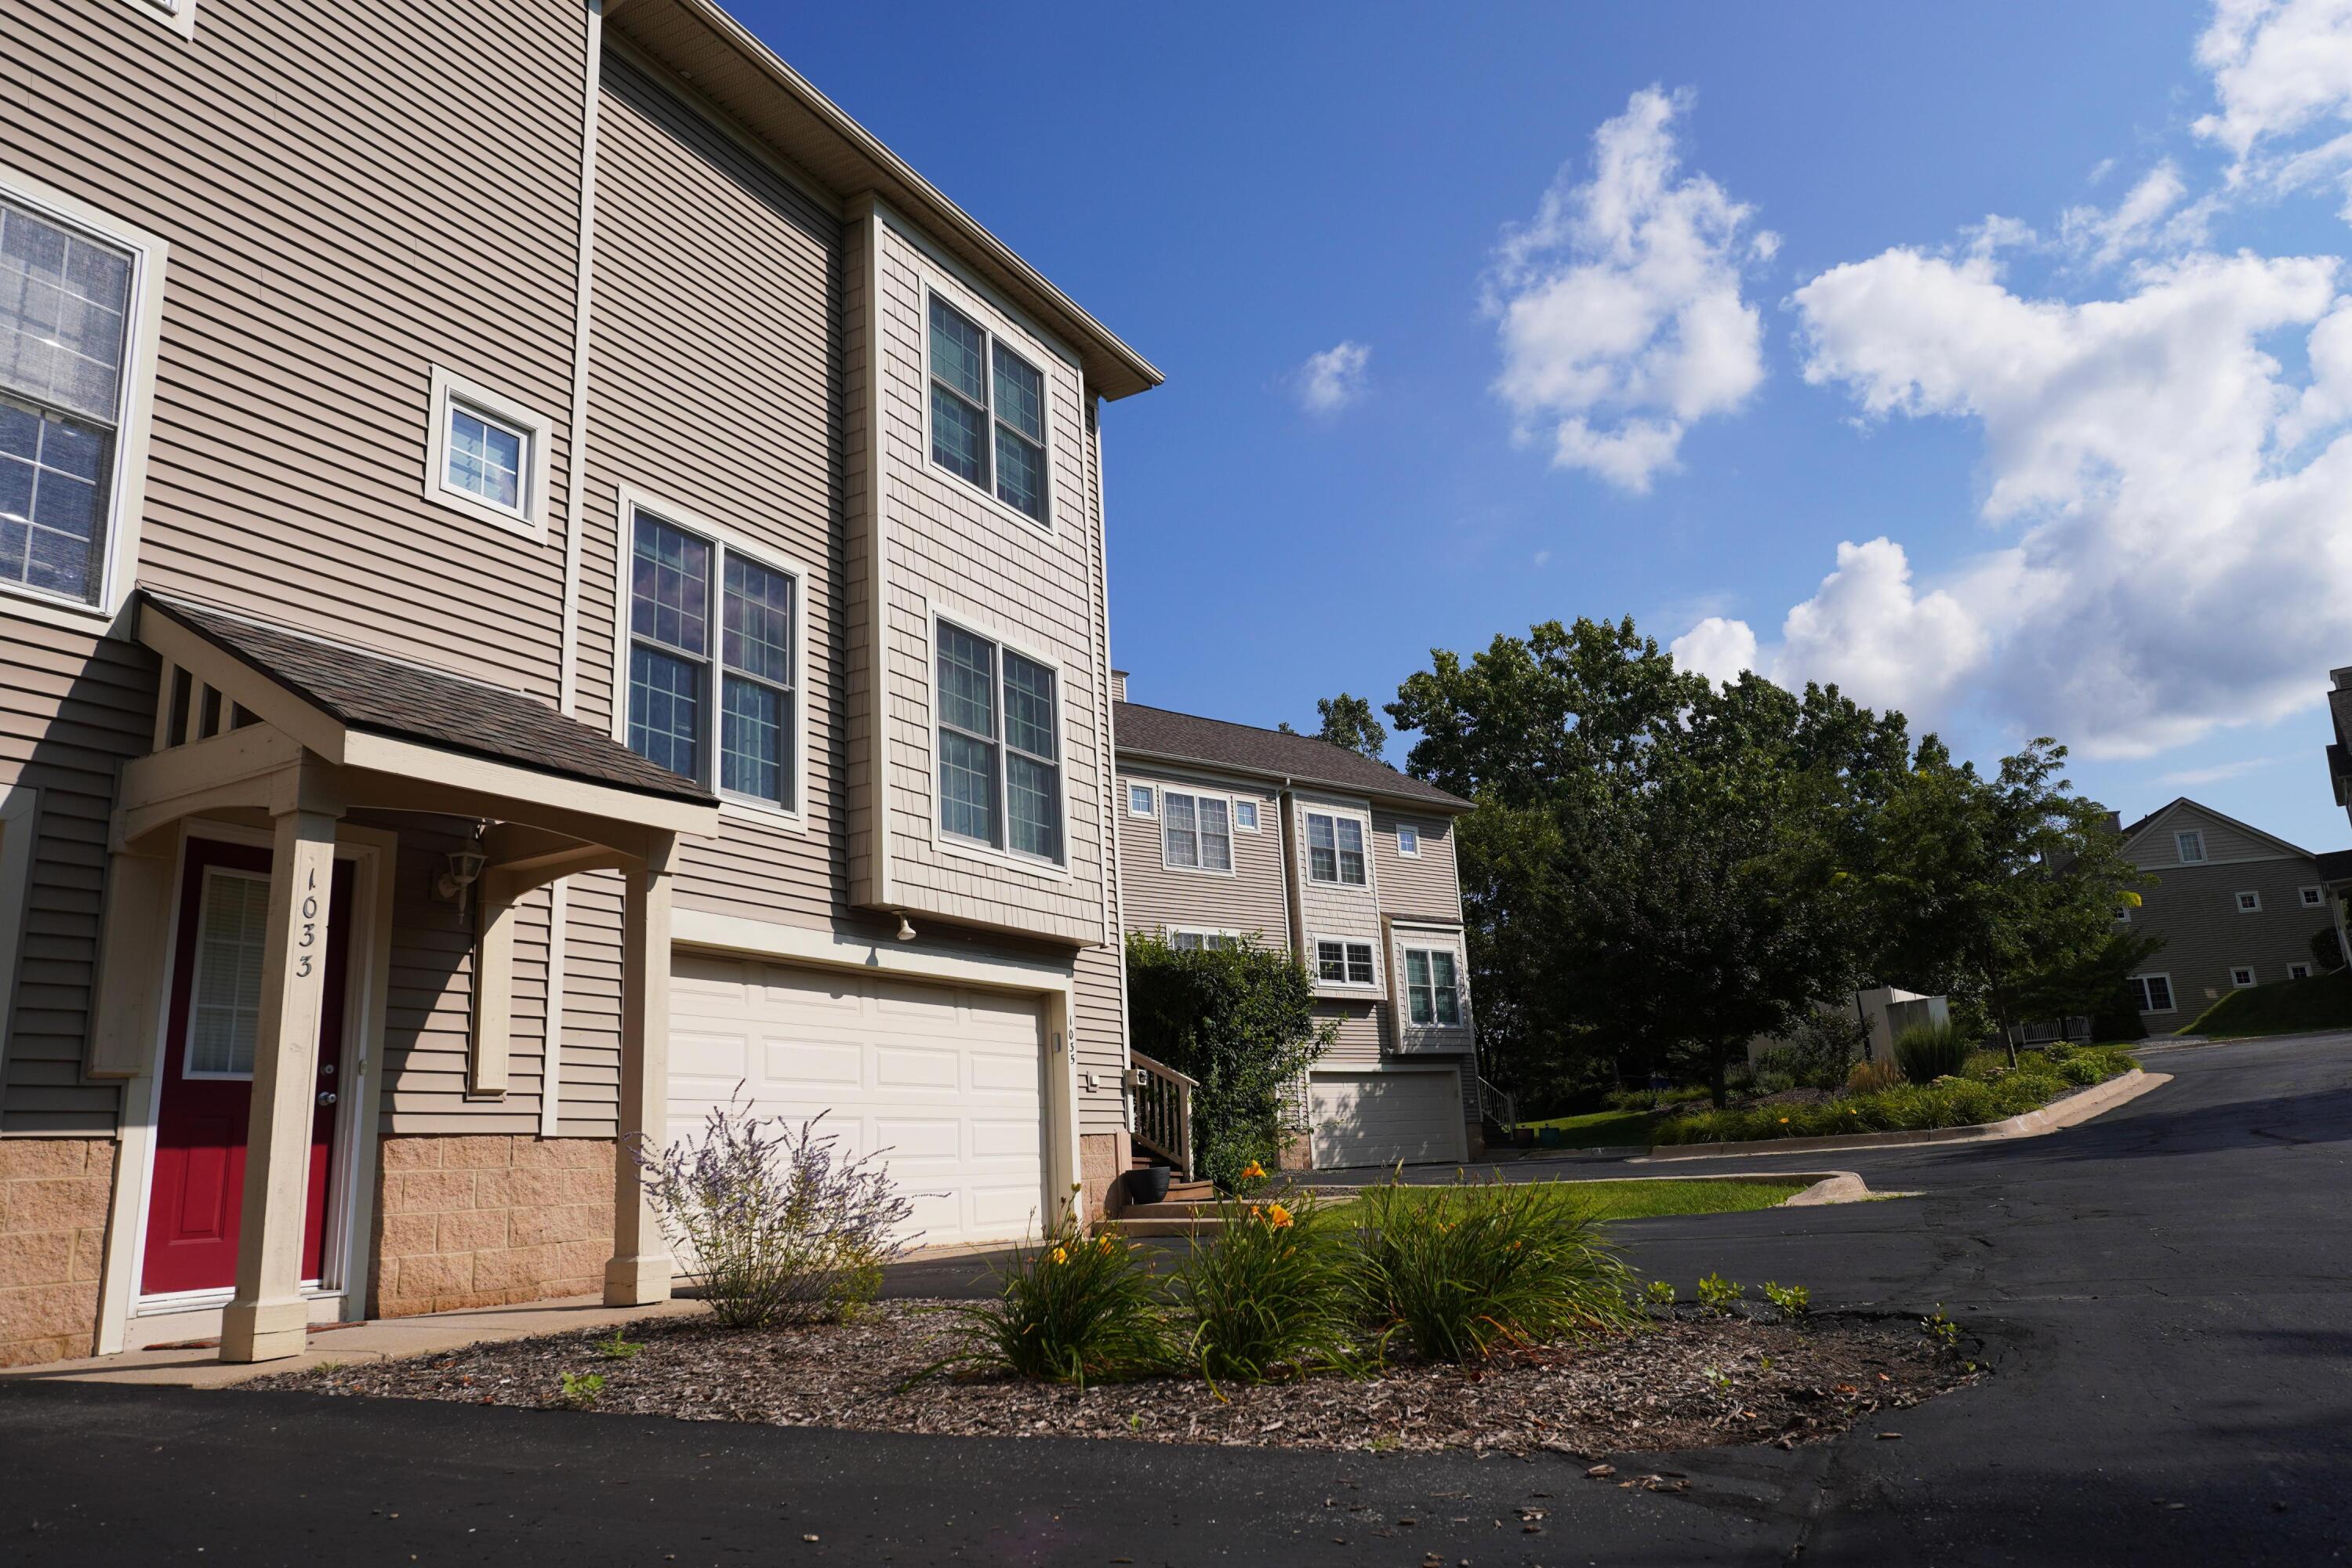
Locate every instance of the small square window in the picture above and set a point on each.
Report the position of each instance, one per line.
(488, 456)
(2313, 898)
(2298, 972)
(1246, 816)
(2250, 903)
(2122, 914)
(2241, 976)
(1140, 801)
(1408, 840)
(2191, 846)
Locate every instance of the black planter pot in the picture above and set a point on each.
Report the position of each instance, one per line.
(1148, 1184)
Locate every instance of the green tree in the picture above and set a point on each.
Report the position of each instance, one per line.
(1348, 721)
(2001, 891)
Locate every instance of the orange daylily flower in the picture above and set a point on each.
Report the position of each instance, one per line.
(1060, 1255)
(1253, 1171)
(1276, 1215)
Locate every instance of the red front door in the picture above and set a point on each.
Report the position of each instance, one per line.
(198, 1196)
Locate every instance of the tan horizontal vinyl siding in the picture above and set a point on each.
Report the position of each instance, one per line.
(72, 707)
(715, 385)
(1422, 887)
(1362, 1032)
(949, 548)
(2194, 909)
(326, 251)
(1250, 900)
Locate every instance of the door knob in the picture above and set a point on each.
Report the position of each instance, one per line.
(326, 1097)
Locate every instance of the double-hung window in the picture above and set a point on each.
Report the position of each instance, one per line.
(1334, 850)
(1000, 751)
(65, 337)
(1195, 831)
(988, 412)
(1433, 993)
(2191, 845)
(2152, 993)
(711, 677)
(1343, 963)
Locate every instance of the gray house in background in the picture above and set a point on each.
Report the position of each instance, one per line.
(2236, 906)
(1229, 832)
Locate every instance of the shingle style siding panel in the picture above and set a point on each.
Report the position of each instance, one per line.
(1419, 887)
(952, 553)
(326, 253)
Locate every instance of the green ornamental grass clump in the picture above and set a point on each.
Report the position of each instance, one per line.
(1074, 1308)
(1268, 1294)
(1926, 1052)
(1482, 1266)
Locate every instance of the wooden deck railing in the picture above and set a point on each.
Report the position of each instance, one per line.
(1163, 1111)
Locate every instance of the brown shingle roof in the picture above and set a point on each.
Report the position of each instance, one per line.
(1244, 748)
(386, 697)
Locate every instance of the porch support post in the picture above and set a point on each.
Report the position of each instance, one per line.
(267, 1318)
(493, 983)
(639, 1272)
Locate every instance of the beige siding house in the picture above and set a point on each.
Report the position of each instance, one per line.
(507, 652)
(2235, 906)
(1230, 832)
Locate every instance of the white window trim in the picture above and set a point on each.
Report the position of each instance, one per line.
(20, 824)
(747, 807)
(986, 318)
(2238, 901)
(2181, 846)
(2300, 971)
(2249, 983)
(987, 627)
(1407, 948)
(2313, 898)
(143, 316)
(2170, 995)
(179, 16)
(1196, 796)
(1257, 814)
(187, 1041)
(1401, 829)
(452, 390)
(1307, 808)
(2122, 914)
(1359, 987)
(1151, 812)
(1204, 932)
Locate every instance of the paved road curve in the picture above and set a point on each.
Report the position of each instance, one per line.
(2164, 1294)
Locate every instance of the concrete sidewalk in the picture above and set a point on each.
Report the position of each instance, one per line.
(381, 1339)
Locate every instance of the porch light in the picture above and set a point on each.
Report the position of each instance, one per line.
(465, 866)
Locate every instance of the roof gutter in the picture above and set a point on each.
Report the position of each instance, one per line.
(1117, 369)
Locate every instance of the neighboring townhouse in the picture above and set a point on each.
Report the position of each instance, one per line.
(2235, 906)
(544, 575)
(1228, 832)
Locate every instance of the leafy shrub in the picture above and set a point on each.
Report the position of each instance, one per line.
(1823, 1048)
(782, 1228)
(1070, 1308)
(618, 1348)
(580, 1392)
(1907, 1107)
(1241, 1020)
(1774, 1082)
(1926, 1052)
(1871, 1078)
(1989, 1067)
(1660, 1292)
(1719, 1295)
(2326, 951)
(1457, 1271)
(1794, 1300)
(1270, 1291)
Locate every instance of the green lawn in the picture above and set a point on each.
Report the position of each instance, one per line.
(1601, 1129)
(1640, 1199)
(2282, 1008)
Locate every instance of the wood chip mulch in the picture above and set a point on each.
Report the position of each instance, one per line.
(1685, 1382)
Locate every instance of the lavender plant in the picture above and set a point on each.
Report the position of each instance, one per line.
(782, 1228)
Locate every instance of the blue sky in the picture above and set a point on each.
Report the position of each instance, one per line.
(2048, 298)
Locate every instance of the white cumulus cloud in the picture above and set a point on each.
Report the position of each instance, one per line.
(1620, 316)
(2282, 73)
(1331, 380)
(1717, 647)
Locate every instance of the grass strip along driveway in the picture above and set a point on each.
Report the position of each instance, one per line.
(1643, 1199)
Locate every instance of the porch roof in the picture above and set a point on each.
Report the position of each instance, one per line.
(383, 696)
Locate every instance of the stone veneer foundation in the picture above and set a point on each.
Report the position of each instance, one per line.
(488, 1220)
(54, 1196)
(1102, 1160)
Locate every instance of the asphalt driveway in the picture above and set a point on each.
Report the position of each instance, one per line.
(2165, 1294)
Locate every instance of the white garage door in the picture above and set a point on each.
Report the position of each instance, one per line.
(1380, 1117)
(948, 1082)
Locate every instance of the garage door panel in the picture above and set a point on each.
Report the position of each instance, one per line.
(1006, 1140)
(999, 1072)
(1000, 1017)
(934, 1005)
(933, 1068)
(695, 1054)
(808, 991)
(803, 1061)
(1005, 1208)
(1380, 1117)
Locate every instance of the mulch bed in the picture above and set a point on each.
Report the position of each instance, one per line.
(1688, 1381)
